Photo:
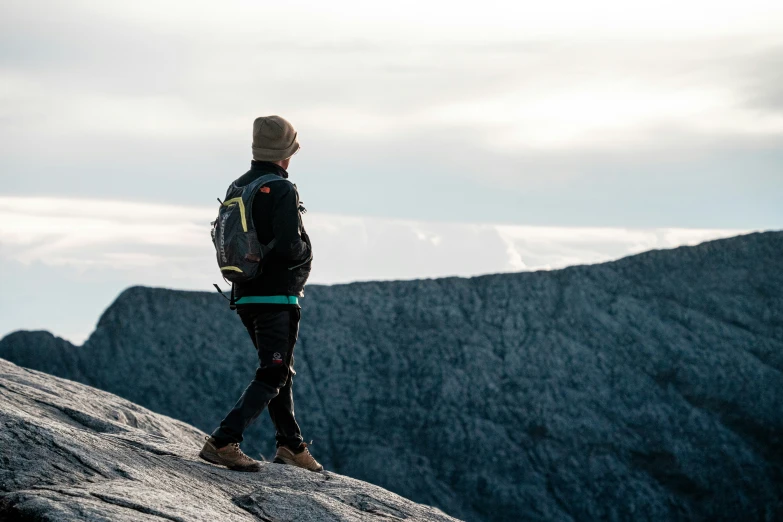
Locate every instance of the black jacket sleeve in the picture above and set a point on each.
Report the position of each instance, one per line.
(286, 226)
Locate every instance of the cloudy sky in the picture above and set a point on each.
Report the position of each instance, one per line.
(438, 138)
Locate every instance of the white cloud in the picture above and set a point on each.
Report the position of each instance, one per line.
(558, 76)
(156, 243)
(606, 116)
(451, 20)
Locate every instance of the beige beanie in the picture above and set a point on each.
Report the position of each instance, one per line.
(274, 139)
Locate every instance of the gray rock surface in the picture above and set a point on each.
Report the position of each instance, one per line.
(649, 388)
(71, 452)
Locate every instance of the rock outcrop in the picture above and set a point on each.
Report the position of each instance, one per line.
(71, 452)
(649, 388)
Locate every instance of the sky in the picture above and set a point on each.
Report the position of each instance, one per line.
(437, 138)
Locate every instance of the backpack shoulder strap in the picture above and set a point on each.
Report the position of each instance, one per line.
(249, 193)
(263, 180)
(250, 190)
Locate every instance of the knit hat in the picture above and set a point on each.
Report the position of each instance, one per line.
(274, 139)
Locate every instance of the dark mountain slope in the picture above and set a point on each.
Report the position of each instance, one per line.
(646, 388)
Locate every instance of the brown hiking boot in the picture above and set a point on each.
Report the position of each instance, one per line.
(303, 459)
(229, 455)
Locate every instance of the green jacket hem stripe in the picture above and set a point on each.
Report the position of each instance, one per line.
(270, 299)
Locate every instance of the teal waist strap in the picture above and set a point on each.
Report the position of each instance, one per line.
(271, 299)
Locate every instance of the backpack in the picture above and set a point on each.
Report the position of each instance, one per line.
(238, 250)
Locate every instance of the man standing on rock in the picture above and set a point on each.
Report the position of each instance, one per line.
(269, 306)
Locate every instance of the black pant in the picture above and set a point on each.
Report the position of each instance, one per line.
(274, 334)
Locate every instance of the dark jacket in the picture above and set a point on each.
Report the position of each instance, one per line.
(277, 214)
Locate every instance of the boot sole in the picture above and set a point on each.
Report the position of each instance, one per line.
(251, 468)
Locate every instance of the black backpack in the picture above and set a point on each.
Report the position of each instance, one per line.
(239, 252)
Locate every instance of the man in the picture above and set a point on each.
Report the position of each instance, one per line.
(269, 308)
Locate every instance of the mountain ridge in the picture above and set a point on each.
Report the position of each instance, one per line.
(443, 278)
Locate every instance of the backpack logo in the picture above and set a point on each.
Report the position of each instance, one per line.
(223, 238)
(265, 190)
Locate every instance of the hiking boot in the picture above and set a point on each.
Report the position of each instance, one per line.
(303, 459)
(229, 455)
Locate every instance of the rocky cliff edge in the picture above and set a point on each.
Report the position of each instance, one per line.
(71, 452)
